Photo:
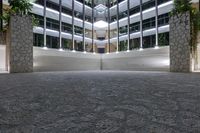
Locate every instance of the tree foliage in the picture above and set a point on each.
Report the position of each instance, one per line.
(181, 6)
(17, 7)
(20, 7)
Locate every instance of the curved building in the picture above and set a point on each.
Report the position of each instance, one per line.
(101, 26)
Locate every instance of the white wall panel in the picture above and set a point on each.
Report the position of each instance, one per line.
(2, 58)
(146, 60)
(54, 60)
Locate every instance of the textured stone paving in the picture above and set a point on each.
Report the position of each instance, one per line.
(100, 102)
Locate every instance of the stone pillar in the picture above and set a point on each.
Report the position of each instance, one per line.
(118, 41)
(20, 44)
(180, 39)
(141, 25)
(93, 27)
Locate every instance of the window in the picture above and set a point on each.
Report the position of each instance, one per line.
(123, 14)
(134, 10)
(149, 41)
(67, 44)
(148, 5)
(163, 39)
(162, 1)
(149, 23)
(135, 27)
(123, 45)
(113, 18)
(66, 27)
(78, 31)
(52, 42)
(38, 40)
(123, 30)
(163, 19)
(52, 24)
(134, 43)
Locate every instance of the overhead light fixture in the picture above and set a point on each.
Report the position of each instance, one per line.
(101, 24)
(45, 48)
(156, 47)
(61, 49)
(141, 49)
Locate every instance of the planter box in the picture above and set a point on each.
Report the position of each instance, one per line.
(180, 38)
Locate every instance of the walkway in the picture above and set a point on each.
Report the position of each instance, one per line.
(100, 102)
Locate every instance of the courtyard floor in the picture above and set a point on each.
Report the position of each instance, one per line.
(100, 102)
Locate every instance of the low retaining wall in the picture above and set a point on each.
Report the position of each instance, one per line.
(146, 60)
(54, 60)
(2, 57)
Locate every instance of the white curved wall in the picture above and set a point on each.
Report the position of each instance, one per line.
(54, 60)
(2, 58)
(146, 60)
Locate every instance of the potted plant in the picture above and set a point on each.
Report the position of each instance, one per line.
(182, 7)
(19, 36)
(184, 26)
(20, 8)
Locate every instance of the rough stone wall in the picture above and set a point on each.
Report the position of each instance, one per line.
(20, 44)
(180, 55)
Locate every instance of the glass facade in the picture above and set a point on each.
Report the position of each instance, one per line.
(120, 29)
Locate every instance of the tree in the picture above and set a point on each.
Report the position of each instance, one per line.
(181, 6)
(20, 7)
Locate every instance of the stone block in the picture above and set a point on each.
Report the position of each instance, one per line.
(20, 44)
(180, 38)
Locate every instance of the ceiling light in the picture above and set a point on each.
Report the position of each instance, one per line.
(101, 24)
